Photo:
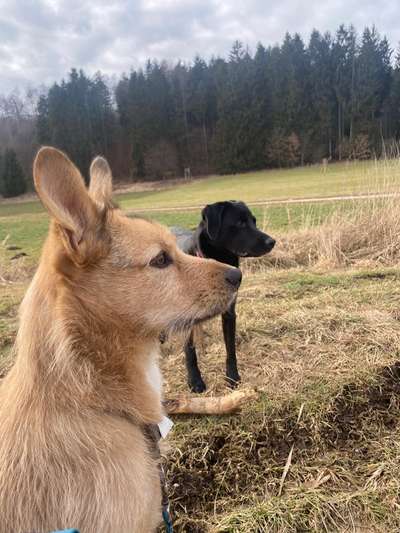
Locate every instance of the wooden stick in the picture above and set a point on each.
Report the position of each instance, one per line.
(209, 405)
(286, 470)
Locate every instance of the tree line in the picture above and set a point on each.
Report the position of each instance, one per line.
(335, 97)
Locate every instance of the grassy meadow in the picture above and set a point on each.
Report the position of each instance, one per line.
(307, 182)
(25, 224)
(318, 337)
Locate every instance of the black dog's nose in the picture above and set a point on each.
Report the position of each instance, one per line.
(234, 277)
(270, 243)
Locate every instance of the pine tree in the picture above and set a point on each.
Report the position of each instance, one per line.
(242, 107)
(290, 93)
(42, 121)
(322, 111)
(131, 97)
(13, 181)
(199, 109)
(395, 98)
(101, 114)
(1, 173)
(77, 116)
(276, 149)
(372, 87)
(344, 54)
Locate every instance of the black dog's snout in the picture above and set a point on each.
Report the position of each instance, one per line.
(270, 243)
(234, 277)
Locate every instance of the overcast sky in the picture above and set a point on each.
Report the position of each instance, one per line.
(40, 40)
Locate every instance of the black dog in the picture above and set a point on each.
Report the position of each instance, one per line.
(226, 232)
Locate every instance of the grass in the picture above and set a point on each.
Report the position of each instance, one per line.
(322, 345)
(25, 223)
(307, 182)
(28, 230)
(10, 297)
(341, 178)
(13, 209)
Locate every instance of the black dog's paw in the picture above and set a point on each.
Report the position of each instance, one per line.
(197, 385)
(233, 380)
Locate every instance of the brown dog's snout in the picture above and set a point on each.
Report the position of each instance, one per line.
(234, 277)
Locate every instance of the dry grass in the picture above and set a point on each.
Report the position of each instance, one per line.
(369, 234)
(294, 324)
(14, 276)
(366, 231)
(13, 266)
(322, 350)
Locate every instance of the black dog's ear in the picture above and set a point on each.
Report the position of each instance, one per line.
(212, 217)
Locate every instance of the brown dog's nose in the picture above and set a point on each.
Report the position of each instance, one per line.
(234, 277)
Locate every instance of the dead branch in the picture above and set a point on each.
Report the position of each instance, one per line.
(210, 405)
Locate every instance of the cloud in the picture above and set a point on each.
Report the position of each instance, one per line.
(41, 40)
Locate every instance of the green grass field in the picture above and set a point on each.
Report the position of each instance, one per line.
(27, 231)
(340, 179)
(307, 182)
(25, 223)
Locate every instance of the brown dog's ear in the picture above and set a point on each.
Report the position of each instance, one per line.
(62, 191)
(100, 187)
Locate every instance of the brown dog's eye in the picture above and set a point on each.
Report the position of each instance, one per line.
(161, 260)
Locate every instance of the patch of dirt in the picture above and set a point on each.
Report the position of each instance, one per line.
(376, 403)
(376, 275)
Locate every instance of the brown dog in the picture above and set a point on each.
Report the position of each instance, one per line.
(85, 382)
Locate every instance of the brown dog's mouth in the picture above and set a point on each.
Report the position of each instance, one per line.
(186, 324)
(182, 325)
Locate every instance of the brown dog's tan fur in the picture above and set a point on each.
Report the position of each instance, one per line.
(86, 352)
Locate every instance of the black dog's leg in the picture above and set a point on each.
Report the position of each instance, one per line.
(195, 381)
(229, 329)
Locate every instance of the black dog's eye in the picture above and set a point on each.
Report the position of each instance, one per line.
(241, 223)
(161, 260)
